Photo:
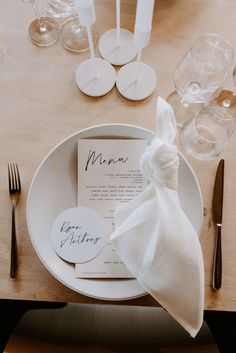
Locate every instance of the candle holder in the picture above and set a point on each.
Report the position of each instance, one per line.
(136, 80)
(117, 45)
(94, 77)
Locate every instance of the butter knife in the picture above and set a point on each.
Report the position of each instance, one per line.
(217, 206)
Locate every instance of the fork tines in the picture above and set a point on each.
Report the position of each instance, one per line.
(14, 177)
(14, 191)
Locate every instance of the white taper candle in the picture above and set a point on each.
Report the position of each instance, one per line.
(118, 22)
(86, 12)
(87, 18)
(143, 22)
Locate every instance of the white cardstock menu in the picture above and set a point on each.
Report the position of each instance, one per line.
(108, 176)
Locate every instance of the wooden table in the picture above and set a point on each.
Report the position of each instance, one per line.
(41, 105)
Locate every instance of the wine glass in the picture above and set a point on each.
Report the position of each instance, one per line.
(73, 35)
(200, 75)
(227, 98)
(43, 31)
(60, 8)
(206, 135)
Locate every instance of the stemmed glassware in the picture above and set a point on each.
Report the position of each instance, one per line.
(73, 35)
(200, 75)
(43, 31)
(60, 8)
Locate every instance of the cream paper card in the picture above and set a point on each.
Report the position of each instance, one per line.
(108, 176)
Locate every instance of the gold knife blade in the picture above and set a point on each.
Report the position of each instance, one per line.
(217, 206)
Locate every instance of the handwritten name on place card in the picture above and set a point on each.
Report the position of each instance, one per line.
(78, 234)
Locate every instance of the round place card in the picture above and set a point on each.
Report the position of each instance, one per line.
(78, 234)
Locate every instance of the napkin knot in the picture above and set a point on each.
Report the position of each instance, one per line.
(159, 163)
(153, 236)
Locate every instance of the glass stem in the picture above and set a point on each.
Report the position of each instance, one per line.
(36, 9)
(76, 20)
(37, 14)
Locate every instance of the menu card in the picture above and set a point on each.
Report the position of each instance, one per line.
(108, 176)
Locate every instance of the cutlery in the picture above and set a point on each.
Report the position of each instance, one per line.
(14, 191)
(217, 218)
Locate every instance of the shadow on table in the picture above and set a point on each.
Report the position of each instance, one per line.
(11, 312)
(223, 327)
(97, 328)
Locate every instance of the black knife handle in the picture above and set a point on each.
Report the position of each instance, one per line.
(217, 270)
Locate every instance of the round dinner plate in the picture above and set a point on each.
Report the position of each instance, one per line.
(53, 189)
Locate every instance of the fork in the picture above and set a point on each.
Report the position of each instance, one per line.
(14, 191)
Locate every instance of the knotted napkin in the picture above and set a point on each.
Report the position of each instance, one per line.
(154, 237)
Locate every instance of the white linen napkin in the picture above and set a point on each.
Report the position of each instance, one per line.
(154, 237)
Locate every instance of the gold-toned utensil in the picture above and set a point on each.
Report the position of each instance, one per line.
(14, 191)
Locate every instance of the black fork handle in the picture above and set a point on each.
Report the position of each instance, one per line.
(13, 265)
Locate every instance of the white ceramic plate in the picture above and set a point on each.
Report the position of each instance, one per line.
(53, 189)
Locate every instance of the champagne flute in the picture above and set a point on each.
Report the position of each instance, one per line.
(43, 31)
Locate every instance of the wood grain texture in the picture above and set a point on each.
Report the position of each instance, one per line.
(41, 105)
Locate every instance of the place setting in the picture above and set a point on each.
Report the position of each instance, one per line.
(108, 211)
(115, 211)
(118, 154)
(85, 206)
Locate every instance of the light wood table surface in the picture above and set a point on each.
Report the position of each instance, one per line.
(40, 105)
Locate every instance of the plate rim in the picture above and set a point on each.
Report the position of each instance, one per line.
(51, 151)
